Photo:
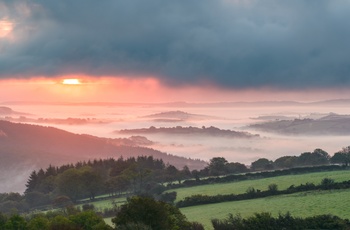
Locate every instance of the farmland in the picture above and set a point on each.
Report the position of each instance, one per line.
(283, 182)
(299, 204)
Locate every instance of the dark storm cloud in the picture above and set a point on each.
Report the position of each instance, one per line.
(233, 43)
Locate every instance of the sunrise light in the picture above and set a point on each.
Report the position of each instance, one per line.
(6, 28)
(71, 81)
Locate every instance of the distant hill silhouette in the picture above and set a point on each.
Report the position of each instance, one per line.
(330, 124)
(25, 147)
(177, 116)
(8, 111)
(179, 130)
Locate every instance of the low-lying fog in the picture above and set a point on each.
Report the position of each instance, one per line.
(102, 121)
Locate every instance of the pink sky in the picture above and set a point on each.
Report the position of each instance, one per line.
(150, 90)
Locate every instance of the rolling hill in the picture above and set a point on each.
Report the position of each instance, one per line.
(27, 147)
(331, 124)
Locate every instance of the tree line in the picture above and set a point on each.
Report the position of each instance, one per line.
(263, 167)
(252, 193)
(67, 184)
(139, 212)
(145, 213)
(220, 166)
(59, 186)
(68, 219)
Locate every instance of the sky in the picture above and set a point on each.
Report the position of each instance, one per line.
(156, 50)
(134, 51)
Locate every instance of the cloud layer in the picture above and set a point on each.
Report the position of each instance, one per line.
(232, 43)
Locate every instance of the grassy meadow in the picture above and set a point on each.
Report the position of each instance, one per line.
(299, 204)
(239, 187)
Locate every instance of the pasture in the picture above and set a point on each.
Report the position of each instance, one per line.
(299, 204)
(239, 187)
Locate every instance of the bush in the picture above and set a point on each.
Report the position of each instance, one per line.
(87, 207)
(156, 214)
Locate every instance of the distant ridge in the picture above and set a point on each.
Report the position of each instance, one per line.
(179, 130)
(183, 104)
(8, 111)
(330, 124)
(177, 116)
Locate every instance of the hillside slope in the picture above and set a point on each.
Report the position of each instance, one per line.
(27, 147)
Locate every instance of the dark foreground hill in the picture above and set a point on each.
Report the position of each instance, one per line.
(25, 147)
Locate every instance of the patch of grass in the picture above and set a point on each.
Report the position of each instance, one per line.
(239, 187)
(109, 221)
(299, 204)
(100, 196)
(102, 204)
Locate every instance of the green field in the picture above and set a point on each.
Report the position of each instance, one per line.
(300, 204)
(109, 221)
(283, 182)
(102, 204)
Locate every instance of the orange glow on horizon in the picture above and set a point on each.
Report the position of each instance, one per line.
(83, 88)
(71, 81)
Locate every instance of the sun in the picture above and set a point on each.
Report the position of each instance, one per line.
(71, 81)
(6, 28)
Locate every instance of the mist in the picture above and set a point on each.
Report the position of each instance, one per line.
(225, 116)
(234, 117)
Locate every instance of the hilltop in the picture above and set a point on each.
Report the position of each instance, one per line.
(330, 124)
(179, 130)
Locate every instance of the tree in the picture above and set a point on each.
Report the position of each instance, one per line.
(342, 157)
(70, 184)
(235, 167)
(168, 197)
(87, 220)
(47, 184)
(250, 190)
(118, 184)
(321, 157)
(273, 188)
(327, 183)
(217, 166)
(262, 164)
(184, 174)
(134, 226)
(157, 215)
(39, 223)
(260, 221)
(92, 182)
(16, 222)
(37, 199)
(317, 157)
(51, 171)
(195, 173)
(171, 173)
(286, 162)
(61, 202)
(231, 222)
(32, 182)
(62, 223)
(3, 220)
